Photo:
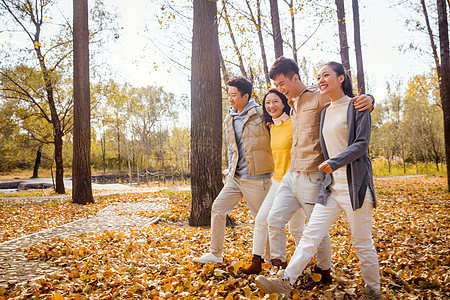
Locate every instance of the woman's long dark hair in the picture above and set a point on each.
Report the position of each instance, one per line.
(347, 83)
(286, 108)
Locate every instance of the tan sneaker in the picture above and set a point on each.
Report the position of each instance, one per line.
(282, 287)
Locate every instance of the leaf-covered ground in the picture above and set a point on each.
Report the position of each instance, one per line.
(411, 231)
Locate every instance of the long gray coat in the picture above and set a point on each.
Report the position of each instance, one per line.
(356, 157)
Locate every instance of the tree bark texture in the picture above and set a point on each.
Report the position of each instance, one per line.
(343, 35)
(277, 38)
(444, 79)
(206, 113)
(358, 50)
(81, 168)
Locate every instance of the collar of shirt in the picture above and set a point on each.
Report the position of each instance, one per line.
(293, 102)
(280, 119)
(341, 101)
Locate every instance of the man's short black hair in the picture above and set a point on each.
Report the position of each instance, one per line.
(285, 66)
(242, 84)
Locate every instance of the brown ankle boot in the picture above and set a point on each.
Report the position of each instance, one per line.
(254, 268)
(278, 263)
(326, 279)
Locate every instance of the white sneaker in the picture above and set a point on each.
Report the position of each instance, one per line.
(209, 259)
(279, 286)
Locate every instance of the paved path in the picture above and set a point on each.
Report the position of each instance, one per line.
(15, 268)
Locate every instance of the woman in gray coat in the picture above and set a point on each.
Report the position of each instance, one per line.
(348, 185)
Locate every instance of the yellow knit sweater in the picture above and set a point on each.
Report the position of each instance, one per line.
(281, 143)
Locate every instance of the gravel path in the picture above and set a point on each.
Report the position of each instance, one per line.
(15, 268)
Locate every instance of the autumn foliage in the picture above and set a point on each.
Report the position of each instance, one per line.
(411, 231)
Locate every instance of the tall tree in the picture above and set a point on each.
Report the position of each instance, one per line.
(343, 35)
(256, 20)
(30, 17)
(358, 50)
(206, 113)
(290, 3)
(81, 167)
(444, 78)
(277, 38)
(431, 37)
(226, 17)
(442, 66)
(50, 37)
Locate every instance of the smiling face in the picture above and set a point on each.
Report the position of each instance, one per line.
(290, 87)
(274, 106)
(236, 99)
(329, 83)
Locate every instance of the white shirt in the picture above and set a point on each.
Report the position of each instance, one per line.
(335, 127)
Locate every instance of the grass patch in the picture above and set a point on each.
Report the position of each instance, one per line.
(381, 168)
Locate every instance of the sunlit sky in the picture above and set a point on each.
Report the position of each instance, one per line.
(382, 31)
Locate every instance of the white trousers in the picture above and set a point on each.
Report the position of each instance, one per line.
(297, 191)
(360, 223)
(260, 232)
(253, 190)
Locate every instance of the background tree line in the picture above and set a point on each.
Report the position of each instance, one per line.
(134, 130)
(129, 134)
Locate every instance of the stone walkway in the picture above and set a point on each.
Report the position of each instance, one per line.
(15, 268)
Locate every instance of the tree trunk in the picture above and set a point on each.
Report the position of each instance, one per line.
(233, 39)
(173, 178)
(358, 50)
(415, 160)
(81, 168)
(206, 114)
(59, 166)
(118, 147)
(257, 22)
(137, 171)
(130, 171)
(53, 178)
(343, 35)
(56, 123)
(157, 172)
(294, 40)
(103, 140)
(225, 74)
(277, 38)
(37, 162)
(444, 86)
(431, 36)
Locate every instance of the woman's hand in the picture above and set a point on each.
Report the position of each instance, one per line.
(363, 102)
(325, 167)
